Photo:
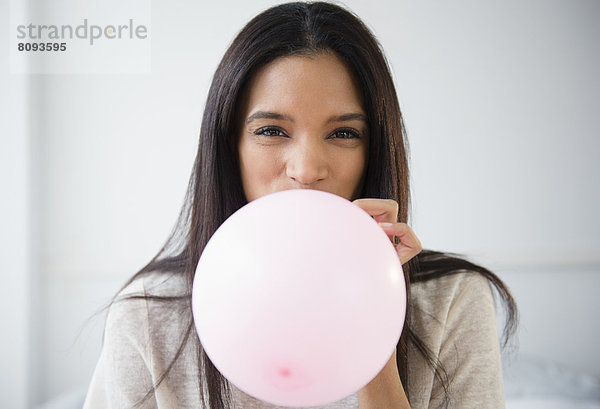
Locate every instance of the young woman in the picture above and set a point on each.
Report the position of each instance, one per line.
(303, 99)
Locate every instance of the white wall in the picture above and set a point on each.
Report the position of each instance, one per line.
(500, 101)
(558, 315)
(15, 245)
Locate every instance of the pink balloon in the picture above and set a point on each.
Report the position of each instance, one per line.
(299, 298)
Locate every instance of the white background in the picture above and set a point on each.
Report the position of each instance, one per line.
(501, 105)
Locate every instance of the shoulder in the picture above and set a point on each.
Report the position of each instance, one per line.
(153, 285)
(439, 296)
(454, 315)
(141, 338)
(453, 308)
(157, 283)
(142, 304)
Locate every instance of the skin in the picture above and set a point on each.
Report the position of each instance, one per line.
(308, 146)
(303, 126)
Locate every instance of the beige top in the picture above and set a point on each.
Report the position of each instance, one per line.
(454, 315)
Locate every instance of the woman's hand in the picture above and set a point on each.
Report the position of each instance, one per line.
(386, 389)
(385, 212)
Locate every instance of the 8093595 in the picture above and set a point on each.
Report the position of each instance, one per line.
(42, 46)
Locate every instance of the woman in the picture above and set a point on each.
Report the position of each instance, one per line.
(303, 98)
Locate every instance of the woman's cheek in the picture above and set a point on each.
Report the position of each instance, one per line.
(262, 174)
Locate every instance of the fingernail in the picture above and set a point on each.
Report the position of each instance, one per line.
(385, 224)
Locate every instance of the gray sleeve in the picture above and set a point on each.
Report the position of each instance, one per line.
(122, 376)
(470, 350)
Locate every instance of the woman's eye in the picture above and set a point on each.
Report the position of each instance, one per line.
(346, 134)
(269, 131)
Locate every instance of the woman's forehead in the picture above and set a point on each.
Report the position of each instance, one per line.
(322, 81)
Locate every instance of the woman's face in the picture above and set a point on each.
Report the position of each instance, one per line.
(303, 126)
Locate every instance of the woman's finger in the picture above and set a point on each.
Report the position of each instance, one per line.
(382, 210)
(385, 212)
(409, 245)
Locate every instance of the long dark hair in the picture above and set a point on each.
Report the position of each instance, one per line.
(215, 188)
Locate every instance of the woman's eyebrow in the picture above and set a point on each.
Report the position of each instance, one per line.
(281, 117)
(348, 117)
(268, 115)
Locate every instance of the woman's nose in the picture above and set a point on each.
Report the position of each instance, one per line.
(306, 163)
